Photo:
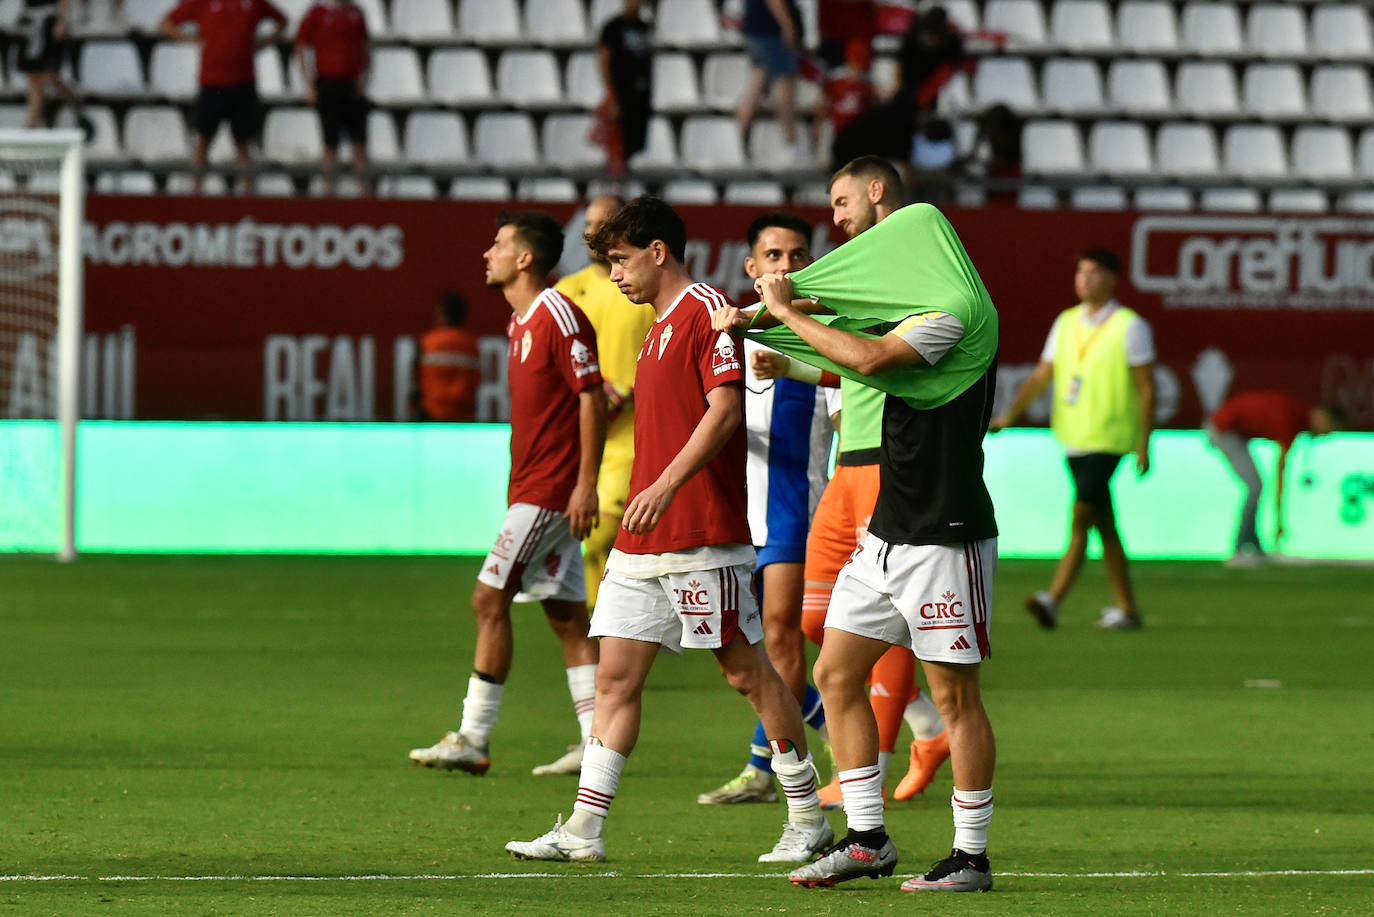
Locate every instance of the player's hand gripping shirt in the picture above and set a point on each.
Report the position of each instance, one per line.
(552, 359)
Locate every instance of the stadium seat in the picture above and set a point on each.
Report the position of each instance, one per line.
(211, 185)
(1236, 200)
(547, 189)
(1276, 30)
(173, 70)
(1072, 86)
(344, 186)
(601, 11)
(1006, 79)
(723, 77)
(395, 77)
(156, 134)
(1037, 197)
(505, 140)
(688, 24)
(690, 191)
(955, 96)
(422, 21)
(292, 134)
(1207, 88)
(438, 138)
(529, 79)
(1341, 30)
(460, 77)
(1081, 25)
(660, 148)
(1023, 21)
(1254, 151)
(1120, 148)
(13, 116)
(271, 77)
(1298, 200)
(374, 14)
(221, 151)
(104, 146)
(146, 15)
(1323, 153)
(582, 80)
(963, 13)
(1186, 150)
(754, 193)
(111, 68)
(1341, 93)
(567, 146)
(295, 11)
(627, 189)
(1147, 27)
(675, 83)
(769, 152)
(712, 143)
(556, 23)
(1364, 156)
(489, 22)
(1163, 199)
(274, 184)
(811, 194)
(1211, 28)
(1361, 201)
(127, 182)
(1274, 91)
(479, 188)
(383, 146)
(1098, 197)
(1138, 87)
(407, 187)
(1052, 147)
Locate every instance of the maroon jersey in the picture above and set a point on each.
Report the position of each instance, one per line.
(1264, 415)
(228, 30)
(683, 359)
(337, 33)
(552, 359)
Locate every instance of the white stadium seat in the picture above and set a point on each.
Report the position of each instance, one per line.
(1212, 28)
(529, 78)
(489, 22)
(1323, 153)
(1147, 26)
(690, 191)
(1163, 199)
(1276, 30)
(1120, 148)
(146, 15)
(274, 184)
(211, 185)
(173, 70)
(660, 148)
(556, 23)
(723, 77)
(383, 146)
(1254, 151)
(395, 77)
(1023, 21)
(1274, 91)
(1341, 30)
(104, 145)
(1341, 92)
(460, 77)
(1207, 88)
(963, 13)
(155, 133)
(711, 143)
(1298, 200)
(436, 138)
(688, 24)
(1139, 87)
(1005, 79)
(1098, 197)
(127, 182)
(1361, 201)
(422, 20)
(292, 134)
(1072, 86)
(374, 14)
(755, 193)
(479, 188)
(1187, 150)
(1235, 200)
(1081, 25)
(408, 187)
(505, 139)
(111, 68)
(769, 152)
(1037, 197)
(675, 83)
(567, 145)
(1364, 156)
(271, 76)
(1052, 147)
(547, 189)
(582, 80)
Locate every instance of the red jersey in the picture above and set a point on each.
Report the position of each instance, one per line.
(849, 95)
(682, 359)
(337, 34)
(1264, 415)
(228, 29)
(552, 359)
(449, 374)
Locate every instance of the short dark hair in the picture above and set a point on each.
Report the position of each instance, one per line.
(781, 219)
(453, 307)
(540, 235)
(868, 168)
(1103, 258)
(641, 222)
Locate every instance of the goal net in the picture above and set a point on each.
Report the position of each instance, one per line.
(41, 206)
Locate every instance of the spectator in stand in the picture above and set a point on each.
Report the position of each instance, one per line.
(996, 152)
(448, 371)
(334, 33)
(845, 95)
(43, 30)
(772, 33)
(626, 59)
(840, 23)
(228, 37)
(931, 51)
(1276, 416)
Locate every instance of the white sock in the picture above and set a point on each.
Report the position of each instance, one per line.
(582, 687)
(972, 814)
(601, 769)
(480, 709)
(862, 789)
(1044, 598)
(883, 758)
(798, 778)
(920, 714)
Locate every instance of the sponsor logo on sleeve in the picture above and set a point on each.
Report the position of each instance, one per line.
(583, 360)
(725, 358)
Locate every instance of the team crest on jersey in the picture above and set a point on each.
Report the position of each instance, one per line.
(663, 340)
(525, 343)
(583, 360)
(725, 358)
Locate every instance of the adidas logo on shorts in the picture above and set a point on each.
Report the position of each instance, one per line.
(703, 630)
(961, 644)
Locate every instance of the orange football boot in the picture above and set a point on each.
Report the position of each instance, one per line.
(926, 757)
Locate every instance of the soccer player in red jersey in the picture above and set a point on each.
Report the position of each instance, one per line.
(228, 37)
(335, 34)
(679, 574)
(558, 429)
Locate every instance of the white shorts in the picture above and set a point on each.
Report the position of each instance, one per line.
(536, 549)
(704, 609)
(935, 599)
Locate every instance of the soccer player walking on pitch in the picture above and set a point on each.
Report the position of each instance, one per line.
(922, 577)
(679, 574)
(558, 430)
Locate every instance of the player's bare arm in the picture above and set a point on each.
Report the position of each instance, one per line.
(724, 412)
(583, 507)
(1143, 377)
(864, 355)
(1035, 383)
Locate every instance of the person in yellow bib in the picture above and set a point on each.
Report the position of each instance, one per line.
(1100, 356)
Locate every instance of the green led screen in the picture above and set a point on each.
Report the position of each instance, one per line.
(410, 488)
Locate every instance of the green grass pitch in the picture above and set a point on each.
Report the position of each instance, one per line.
(214, 736)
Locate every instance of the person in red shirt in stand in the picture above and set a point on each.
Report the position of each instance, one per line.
(1276, 416)
(449, 370)
(557, 432)
(680, 571)
(227, 33)
(846, 93)
(335, 34)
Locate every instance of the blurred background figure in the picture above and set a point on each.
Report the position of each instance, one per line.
(996, 152)
(841, 22)
(43, 31)
(931, 51)
(772, 31)
(846, 93)
(626, 59)
(1276, 416)
(334, 52)
(448, 371)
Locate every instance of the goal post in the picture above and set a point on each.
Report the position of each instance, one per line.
(42, 207)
